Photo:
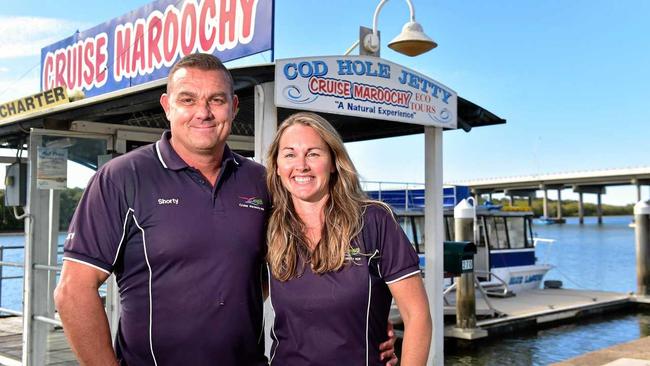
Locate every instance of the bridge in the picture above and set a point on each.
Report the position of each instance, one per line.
(582, 182)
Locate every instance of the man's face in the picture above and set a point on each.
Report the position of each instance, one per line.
(200, 109)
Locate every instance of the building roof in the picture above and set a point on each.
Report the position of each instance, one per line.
(139, 106)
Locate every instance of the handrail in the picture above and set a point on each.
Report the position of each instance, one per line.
(489, 273)
(480, 288)
(4, 263)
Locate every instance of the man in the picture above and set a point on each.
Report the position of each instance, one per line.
(182, 225)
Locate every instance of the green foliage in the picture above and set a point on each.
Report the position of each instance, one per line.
(569, 207)
(69, 199)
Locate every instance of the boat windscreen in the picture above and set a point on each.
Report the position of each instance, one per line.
(496, 228)
(516, 232)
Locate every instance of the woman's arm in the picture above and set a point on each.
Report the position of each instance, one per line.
(414, 308)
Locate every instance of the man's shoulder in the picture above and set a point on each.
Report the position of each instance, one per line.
(141, 158)
(249, 164)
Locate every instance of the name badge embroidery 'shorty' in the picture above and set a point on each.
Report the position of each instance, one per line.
(252, 202)
(168, 201)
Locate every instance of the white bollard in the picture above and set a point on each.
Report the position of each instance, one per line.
(642, 235)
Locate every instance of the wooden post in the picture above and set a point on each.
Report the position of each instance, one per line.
(642, 235)
(465, 297)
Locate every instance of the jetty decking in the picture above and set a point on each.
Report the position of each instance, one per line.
(532, 308)
(11, 344)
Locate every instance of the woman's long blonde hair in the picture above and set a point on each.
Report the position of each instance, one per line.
(286, 237)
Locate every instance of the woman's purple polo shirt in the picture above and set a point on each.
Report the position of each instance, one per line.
(340, 318)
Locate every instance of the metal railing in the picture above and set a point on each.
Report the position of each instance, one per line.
(4, 263)
(3, 277)
(380, 187)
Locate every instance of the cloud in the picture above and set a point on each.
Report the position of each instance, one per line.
(25, 36)
(4, 69)
(10, 89)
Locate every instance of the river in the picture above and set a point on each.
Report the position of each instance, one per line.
(588, 256)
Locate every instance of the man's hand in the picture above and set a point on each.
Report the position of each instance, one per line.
(387, 348)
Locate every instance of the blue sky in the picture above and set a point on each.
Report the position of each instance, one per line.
(571, 77)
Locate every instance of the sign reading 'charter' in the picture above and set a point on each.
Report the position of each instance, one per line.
(142, 45)
(364, 86)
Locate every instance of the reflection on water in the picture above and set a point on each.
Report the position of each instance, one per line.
(554, 344)
(589, 256)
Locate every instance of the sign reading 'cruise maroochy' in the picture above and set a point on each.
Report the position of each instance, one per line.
(142, 45)
(364, 86)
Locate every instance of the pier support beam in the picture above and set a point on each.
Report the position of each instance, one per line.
(545, 203)
(521, 193)
(599, 191)
(559, 205)
(581, 209)
(639, 183)
(642, 236)
(599, 208)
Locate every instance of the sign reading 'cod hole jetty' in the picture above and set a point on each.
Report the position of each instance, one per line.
(364, 86)
(142, 45)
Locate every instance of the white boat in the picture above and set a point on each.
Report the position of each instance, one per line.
(505, 260)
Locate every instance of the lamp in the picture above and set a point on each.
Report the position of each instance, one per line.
(411, 41)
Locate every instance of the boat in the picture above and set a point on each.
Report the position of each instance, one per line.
(550, 220)
(505, 261)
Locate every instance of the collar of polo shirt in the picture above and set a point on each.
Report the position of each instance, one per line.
(170, 159)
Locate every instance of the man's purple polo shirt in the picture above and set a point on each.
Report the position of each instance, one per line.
(186, 256)
(340, 318)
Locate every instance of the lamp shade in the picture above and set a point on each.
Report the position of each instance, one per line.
(412, 41)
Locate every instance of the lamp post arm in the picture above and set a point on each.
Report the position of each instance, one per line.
(381, 5)
(375, 17)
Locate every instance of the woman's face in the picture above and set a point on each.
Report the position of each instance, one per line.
(304, 164)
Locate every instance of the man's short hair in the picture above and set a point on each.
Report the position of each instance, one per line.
(201, 61)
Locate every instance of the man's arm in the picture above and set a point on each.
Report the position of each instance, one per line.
(82, 314)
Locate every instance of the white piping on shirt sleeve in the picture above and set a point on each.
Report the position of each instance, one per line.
(86, 263)
(403, 277)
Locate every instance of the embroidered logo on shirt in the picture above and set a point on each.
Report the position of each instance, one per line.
(353, 255)
(168, 201)
(252, 202)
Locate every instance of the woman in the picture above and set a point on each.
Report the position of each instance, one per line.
(335, 257)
